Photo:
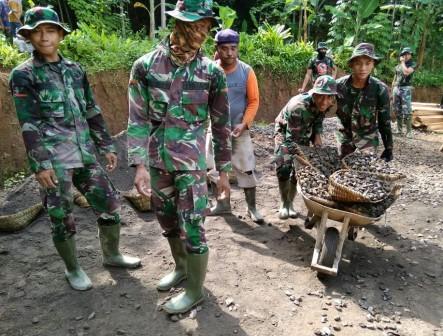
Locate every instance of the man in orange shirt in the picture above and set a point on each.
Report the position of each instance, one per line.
(243, 97)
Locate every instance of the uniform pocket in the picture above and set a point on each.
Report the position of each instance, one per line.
(158, 103)
(195, 105)
(52, 103)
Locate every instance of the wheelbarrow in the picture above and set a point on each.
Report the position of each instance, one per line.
(331, 236)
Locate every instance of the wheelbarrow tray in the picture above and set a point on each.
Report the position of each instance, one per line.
(345, 220)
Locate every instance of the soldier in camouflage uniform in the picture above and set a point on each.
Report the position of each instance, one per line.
(363, 106)
(60, 124)
(319, 65)
(300, 122)
(402, 87)
(173, 93)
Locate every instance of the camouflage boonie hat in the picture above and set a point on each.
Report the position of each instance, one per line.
(193, 10)
(36, 16)
(322, 45)
(406, 50)
(364, 49)
(324, 85)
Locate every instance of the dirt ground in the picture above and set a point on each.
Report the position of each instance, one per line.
(259, 280)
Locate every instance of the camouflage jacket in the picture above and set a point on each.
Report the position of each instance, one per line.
(297, 123)
(59, 118)
(169, 112)
(400, 78)
(362, 112)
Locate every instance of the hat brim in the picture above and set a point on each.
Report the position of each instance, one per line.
(374, 58)
(26, 29)
(406, 52)
(189, 16)
(312, 91)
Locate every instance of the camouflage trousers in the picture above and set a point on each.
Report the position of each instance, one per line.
(180, 202)
(284, 165)
(94, 184)
(402, 101)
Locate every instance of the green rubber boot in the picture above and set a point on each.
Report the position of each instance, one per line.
(400, 125)
(408, 122)
(75, 275)
(283, 188)
(291, 196)
(250, 196)
(179, 273)
(109, 240)
(193, 294)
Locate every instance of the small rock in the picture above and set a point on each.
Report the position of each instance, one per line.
(174, 318)
(326, 332)
(193, 314)
(362, 325)
(217, 314)
(337, 319)
(229, 301)
(35, 320)
(336, 327)
(324, 319)
(91, 316)
(79, 318)
(138, 306)
(121, 332)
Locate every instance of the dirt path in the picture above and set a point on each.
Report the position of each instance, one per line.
(259, 280)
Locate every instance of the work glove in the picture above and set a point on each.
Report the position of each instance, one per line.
(387, 155)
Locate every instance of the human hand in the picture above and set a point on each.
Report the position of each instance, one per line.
(238, 130)
(301, 90)
(111, 160)
(402, 58)
(142, 181)
(317, 141)
(47, 179)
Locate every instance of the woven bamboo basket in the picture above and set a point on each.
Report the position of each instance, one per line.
(140, 202)
(340, 192)
(19, 220)
(323, 201)
(80, 200)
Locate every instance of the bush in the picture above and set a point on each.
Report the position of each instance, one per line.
(9, 55)
(100, 51)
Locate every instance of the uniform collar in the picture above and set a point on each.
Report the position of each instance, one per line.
(369, 81)
(39, 61)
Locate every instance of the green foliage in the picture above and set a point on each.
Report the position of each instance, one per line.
(100, 14)
(268, 51)
(428, 78)
(227, 16)
(9, 55)
(99, 51)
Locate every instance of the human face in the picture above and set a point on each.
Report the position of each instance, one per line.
(362, 67)
(407, 56)
(46, 38)
(322, 101)
(228, 53)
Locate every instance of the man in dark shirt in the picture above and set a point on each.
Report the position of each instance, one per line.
(318, 66)
(402, 87)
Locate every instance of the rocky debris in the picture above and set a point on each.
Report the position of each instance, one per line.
(369, 162)
(313, 183)
(369, 186)
(325, 159)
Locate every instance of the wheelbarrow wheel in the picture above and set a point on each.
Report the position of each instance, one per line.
(327, 254)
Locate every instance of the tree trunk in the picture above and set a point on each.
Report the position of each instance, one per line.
(305, 24)
(300, 22)
(122, 16)
(151, 19)
(422, 48)
(163, 16)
